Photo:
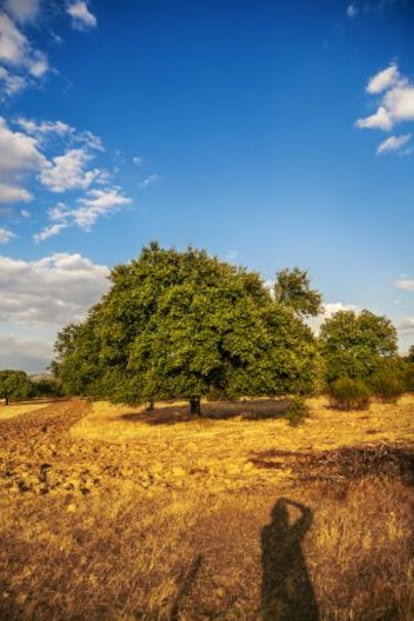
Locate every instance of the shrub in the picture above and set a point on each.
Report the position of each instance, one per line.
(409, 378)
(387, 386)
(349, 394)
(297, 411)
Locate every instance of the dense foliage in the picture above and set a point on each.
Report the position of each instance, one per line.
(13, 385)
(355, 345)
(349, 394)
(184, 324)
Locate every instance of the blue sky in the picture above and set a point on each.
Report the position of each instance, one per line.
(272, 134)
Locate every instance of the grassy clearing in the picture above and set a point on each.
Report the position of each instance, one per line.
(9, 411)
(119, 514)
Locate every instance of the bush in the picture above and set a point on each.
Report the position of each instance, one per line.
(409, 378)
(349, 394)
(297, 411)
(387, 386)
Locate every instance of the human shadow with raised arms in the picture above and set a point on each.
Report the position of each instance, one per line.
(287, 593)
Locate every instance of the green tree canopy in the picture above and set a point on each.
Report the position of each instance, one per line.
(13, 385)
(356, 345)
(292, 289)
(183, 324)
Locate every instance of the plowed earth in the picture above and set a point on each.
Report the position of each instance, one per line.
(116, 514)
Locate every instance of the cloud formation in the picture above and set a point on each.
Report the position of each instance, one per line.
(31, 355)
(68, 171)
(405, 283)
(23, 10)
(95, 204)
(6, 236)
(82, 18)
(396, 105)
(393, 143)
(56, 289)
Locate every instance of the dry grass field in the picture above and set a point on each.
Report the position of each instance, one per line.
(114, 513)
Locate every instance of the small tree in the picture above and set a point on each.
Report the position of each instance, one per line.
(356, 345)
(13, 385)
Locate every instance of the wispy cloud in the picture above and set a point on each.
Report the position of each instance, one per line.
(150, 180)
(49, 231)
(16, 52)
(352, 10)
(405, 283)
(396, 106)
(13, 194)
(23, 10)
(6, 236)
(383, 79)
(96, 204)
(82, 18)
(68, 171)
(393, 143)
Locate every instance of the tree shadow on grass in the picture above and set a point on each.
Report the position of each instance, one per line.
(287, 593)
(258, 409)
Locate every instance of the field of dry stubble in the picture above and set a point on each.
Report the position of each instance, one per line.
(114, 513)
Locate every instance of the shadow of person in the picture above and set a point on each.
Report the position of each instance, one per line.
(287, 593)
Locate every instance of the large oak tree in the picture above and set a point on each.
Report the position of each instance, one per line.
(184, 324)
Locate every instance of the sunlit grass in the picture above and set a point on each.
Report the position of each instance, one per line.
(107, 513)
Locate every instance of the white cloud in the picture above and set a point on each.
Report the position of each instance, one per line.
(49, 231)
(13, 194)
(28, 354)
(16, 50)
(400, 103)
(44, 127)
(67, 172)
(18, 152)
(383, 80)
(56, 289)
(6, 236)
(406, 325)
(137, 160)
(397, 100)
(352, 10)
(405, 283)
(22, 10)
(11, 83)
(98, 203)
(328, 310)
(14, 46)
(393, 143)
(82, 18)
(380, 120)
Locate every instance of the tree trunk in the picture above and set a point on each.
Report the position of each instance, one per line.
(6, 401)
(195, 408)
(150, 406)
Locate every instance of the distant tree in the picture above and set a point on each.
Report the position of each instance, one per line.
(76, 367)
(184, 324)
(13, 385)
(355, 345)
(292, 289)
(44, 387)
(411, 354)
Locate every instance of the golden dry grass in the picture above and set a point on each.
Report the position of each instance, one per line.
(114, 513)
(15, 409)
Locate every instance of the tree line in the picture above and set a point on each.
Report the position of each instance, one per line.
(187, 325)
